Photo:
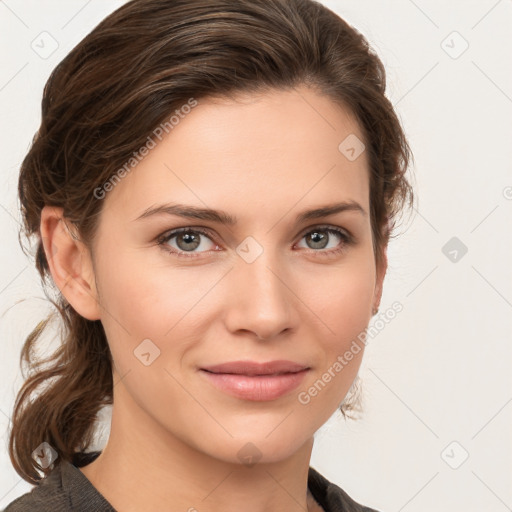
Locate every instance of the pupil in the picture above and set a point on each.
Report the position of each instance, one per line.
(318, 238)
(189, 238)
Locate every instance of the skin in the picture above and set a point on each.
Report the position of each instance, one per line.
(174, 438)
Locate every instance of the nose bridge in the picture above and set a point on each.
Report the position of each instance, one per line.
(259, 269)
(262, 299)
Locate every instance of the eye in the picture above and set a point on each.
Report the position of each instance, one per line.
(187, 240)
(321, 236)
(184, 242)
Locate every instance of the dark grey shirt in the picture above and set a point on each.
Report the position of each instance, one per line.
(66, 489)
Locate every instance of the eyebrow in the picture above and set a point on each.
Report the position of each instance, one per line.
(224, 218)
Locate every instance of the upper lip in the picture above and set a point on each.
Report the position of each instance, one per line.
(255, 368)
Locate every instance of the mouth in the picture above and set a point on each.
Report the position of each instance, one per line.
(256, 387)
(248, 374)
(254, 369)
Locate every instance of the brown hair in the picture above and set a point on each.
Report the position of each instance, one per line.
(106, 97)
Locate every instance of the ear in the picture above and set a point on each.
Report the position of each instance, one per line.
(380, 274)
(70, 262)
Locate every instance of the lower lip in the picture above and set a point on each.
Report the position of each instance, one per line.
(258, 387)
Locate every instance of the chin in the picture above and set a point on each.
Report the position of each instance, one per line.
(249, 450)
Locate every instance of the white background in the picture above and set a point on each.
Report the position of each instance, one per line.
(440, 371)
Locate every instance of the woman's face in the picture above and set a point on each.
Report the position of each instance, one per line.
(270, 286)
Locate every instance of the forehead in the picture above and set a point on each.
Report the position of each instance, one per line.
(258, 151)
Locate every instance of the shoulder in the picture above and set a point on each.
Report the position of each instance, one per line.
(47, 496)
(65, 488)
(332, 497)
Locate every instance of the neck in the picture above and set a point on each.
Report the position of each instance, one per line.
(145, 467)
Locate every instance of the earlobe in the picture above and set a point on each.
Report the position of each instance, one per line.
(70, 262)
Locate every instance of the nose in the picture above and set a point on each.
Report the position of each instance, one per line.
(261, 298)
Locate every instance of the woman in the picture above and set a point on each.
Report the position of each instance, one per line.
(214, 185)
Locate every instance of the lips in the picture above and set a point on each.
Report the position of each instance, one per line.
(249, 380)
(253, 368)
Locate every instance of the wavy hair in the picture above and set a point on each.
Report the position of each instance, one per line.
(104, 99)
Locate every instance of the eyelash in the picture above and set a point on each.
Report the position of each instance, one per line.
(347, 240)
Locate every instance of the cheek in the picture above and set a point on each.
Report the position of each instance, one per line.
(132, 303)
(134, 291)
(343, 310)
(342, 298)
(342, 305)
(143, 300)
